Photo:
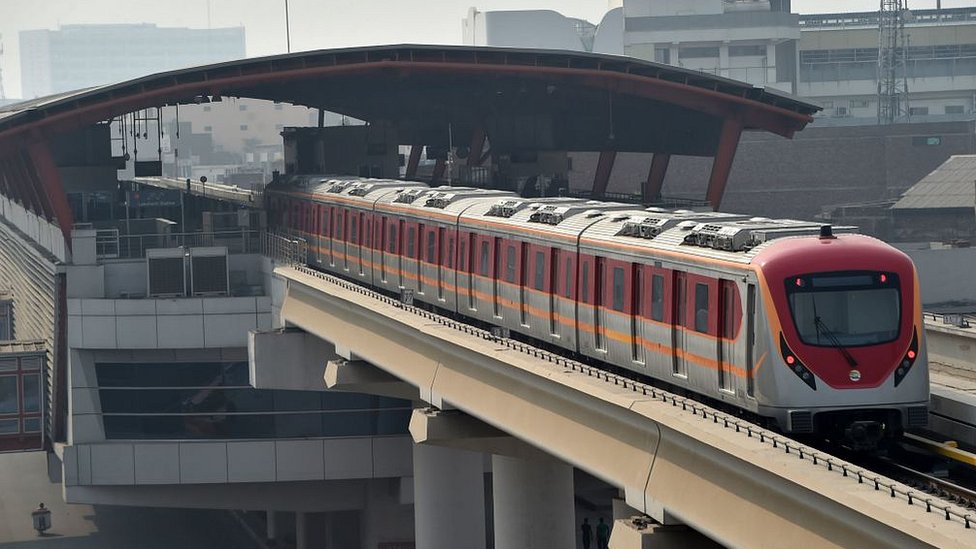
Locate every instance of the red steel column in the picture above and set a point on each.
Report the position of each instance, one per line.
(414, 161)
(50, 179)
(727, 145)
(655, 177)
(603, 169)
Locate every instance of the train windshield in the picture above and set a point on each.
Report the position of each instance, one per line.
(845, 309)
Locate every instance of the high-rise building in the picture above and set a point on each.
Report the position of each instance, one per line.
(80, 56)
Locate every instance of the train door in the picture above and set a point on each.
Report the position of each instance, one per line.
(496, 283)
(750, 326)
(679, 309)
(523, 282)
(363, 242)
(441, 262)
(421, 234)
(470, 267)
(599, 311)
(726, 333)
(331, 240)
(554, 292)
(399, 253)
(382, 248)
(637, 313)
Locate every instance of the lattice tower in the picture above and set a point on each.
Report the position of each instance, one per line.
(892, 61)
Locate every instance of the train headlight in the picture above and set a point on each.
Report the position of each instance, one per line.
(796, 366)
(908, 361)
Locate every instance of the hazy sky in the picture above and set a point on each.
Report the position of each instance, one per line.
(314, 23)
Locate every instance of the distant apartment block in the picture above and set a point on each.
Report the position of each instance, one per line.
(80, 56)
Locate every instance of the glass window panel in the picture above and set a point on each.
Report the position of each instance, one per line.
(297, 400)
(657, 298)
(484, 259)
(430, 246)
(30, 363)
(701, 308)
(411, 237)
(540, 268)
(298, 425)
(32, 393)
(586, 282)
(510, 264)
(8, 364)
(32, 425)
(9, 403)
(618, 288)
(9, 426)
(183, 374)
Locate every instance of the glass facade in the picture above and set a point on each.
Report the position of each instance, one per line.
(191, 400)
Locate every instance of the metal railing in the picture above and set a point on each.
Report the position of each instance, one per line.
(111, 245)
(959, 320)
(285, 249)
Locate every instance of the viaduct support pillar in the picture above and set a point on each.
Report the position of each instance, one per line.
(722, 166)
(533, 503)
(449, 498)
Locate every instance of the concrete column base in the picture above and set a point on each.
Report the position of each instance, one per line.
(638, 534)
(449, 498)
(533, 503)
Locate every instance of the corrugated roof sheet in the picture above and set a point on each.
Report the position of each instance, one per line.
(951, 185)
(21, 347)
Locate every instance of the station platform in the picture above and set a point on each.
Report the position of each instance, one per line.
(24, 483)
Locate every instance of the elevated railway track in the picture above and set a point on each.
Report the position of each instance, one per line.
(715, 472)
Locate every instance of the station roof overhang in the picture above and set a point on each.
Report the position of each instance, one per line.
(522, 99)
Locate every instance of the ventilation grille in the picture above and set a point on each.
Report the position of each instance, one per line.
(918, 416)
(801, 422)
(167, 273)
(208, 268)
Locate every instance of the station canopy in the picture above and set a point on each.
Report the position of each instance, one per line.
(522, 99)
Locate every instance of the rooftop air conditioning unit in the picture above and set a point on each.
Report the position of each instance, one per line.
(166, 272)
(209, 272)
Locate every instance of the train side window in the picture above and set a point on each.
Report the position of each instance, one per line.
(463, 253)
(449, 253)
(411, 238)
(431, 249)
(339, 225)
(540, 270)
(618, 289)
(326, 228)
(393, 238)
(484, 258)
(657, 298)
(701, 308)
(510, 264)
(569, 277)
(353, 226)
(586, 282)
(367, 231)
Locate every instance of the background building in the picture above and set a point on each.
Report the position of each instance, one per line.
(80, 56)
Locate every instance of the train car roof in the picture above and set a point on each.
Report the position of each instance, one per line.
(542, 218)
(732, 238)
(438, 203)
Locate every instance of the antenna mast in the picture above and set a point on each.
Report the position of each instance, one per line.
(892, 61)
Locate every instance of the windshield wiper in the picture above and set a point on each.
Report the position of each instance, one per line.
(823, 329)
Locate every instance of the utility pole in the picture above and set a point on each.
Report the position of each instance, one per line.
(2, 96)
(892, 61)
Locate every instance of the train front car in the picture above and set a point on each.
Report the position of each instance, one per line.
(846, 357)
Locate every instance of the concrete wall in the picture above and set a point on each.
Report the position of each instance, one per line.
(235, 461)
(946, 275)
(192, 323)
(288, 360)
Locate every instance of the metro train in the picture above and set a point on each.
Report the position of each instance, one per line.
(812, 329)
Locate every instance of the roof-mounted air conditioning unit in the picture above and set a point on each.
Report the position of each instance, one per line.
(209, 272)
(166, 272)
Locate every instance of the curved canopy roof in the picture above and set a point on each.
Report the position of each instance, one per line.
(523, 99)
